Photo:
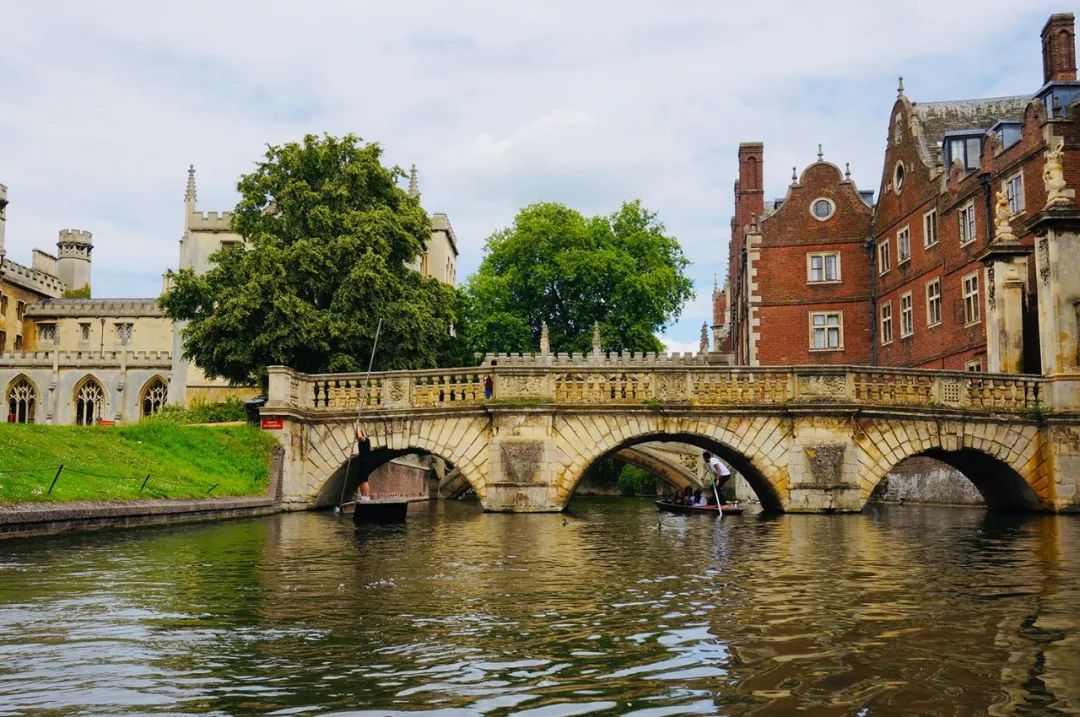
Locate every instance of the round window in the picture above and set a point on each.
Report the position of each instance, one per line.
(898, 177)
(822, 208)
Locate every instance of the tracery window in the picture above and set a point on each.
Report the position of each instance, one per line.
(89, 403)
(22, 400)
(154, 397)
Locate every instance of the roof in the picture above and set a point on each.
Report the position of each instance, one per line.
(441, 223)
(937, 118)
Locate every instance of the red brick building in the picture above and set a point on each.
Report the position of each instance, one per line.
(826, 277)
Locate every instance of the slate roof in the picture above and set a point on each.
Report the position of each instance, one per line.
(937, 118)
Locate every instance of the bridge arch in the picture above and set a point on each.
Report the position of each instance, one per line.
(676, 475)
(1005, 463)
(747, 444)
(460, 441)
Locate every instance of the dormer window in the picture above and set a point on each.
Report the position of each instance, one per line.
(1008, 133)
(963, 147)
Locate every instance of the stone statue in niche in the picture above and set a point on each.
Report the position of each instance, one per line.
(1002, 226)
(1054, 175)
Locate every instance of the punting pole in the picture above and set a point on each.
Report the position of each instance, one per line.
(360, 412)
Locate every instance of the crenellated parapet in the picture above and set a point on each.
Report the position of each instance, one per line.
(127, 308)
(210, 221)
(86, 359)
(32, 279)
(610, 358)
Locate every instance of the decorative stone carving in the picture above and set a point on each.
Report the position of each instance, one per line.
(671, 387)
(991, 299)
(823, 386)
(596, 338)
(951, 390)
(1057, 193)
(1002, 226)
(521, 387)
(826, 462)
(545, 341)
(703, 347)
(1044, 260)
(522, 460)
(397, 391)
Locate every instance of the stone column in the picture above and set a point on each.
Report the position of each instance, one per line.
(1006, 281)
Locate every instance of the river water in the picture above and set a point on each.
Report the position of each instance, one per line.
(610, 609)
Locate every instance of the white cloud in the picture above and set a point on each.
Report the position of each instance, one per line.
(498, 104)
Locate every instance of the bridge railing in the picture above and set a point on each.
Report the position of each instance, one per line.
(637, 385)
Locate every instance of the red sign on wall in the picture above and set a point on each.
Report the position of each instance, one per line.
(273, 424)
(105, 422)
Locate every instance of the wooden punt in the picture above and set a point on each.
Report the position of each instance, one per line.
(729, 508)
(368, 512)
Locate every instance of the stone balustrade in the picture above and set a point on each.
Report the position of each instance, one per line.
(651, 383)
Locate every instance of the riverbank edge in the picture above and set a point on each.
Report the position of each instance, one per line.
(24, 520)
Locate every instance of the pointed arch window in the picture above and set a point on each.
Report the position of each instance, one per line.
(22, 401)
(154, 397)
(89, 403)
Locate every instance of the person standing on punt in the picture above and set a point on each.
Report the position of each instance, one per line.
(718, 472)
(360, 464)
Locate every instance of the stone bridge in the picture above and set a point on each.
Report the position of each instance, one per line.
(807, 439)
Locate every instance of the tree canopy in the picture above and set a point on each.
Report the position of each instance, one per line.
(556, 265)
(328, 234)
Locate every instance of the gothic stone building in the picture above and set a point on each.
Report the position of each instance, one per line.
(941, 272)
(66, 358)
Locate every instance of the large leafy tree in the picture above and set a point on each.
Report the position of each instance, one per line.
(328, 234)
(558, 266)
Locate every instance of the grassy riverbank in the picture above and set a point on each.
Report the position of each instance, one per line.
(112, 463)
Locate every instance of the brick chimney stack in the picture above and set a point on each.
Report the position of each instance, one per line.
(1059, 48)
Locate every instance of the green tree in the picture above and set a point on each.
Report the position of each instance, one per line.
(558, 266)
(328, 233)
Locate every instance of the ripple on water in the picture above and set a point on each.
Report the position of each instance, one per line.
(462, 613)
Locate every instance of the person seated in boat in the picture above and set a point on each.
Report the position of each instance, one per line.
(698, 500)
(680, 497)
(360, 465)
(719, 475)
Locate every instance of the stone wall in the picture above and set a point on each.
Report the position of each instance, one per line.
(927, 481)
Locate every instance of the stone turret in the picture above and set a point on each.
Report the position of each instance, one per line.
(73, 258)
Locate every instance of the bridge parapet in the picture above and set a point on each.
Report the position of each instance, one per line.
(625, 385)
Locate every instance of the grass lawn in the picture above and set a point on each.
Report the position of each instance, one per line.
(112, 463)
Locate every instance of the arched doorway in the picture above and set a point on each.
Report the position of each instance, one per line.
(89, 402)
(153, 397)
(22, 398)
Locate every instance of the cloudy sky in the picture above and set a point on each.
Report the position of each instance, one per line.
(499, 104)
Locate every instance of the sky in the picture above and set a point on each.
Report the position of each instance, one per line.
(498, 104)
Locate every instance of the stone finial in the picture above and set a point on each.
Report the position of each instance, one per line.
(900, 87)
(1002, 227)
(703, 347)
(596, 337)
(820, 154)
(1054, 175)
(189, 192)
(715, 284)
(545, 340)
(414, 186)
(847, 171)
(794, 176)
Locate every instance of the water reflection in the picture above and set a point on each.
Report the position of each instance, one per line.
(611, 609)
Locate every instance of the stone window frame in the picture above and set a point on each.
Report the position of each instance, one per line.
(903, 238)
(907, 316)
(930, 228)
(20, 310)
(48, 332)
(932, 301)
(89, 390)
(832, 209)
(973, 366)
(85, 332)
(885, 316)
(884, 261)
(153, 396)
(125, 332)
(969, 289)
(1013, 186)
(968, 224)
(21, 389)
(898, 174)
(823, 255)
(3, 305)
(825, 330)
